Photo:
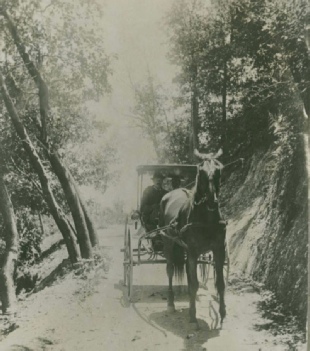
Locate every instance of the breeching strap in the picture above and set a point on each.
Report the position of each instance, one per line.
(176, 239)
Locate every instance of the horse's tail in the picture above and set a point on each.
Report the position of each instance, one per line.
(162, 208)
(178, 262)
(161, 219)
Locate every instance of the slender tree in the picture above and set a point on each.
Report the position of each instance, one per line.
(149, 114)
(85, 229)
(36, 162)
(8, 259)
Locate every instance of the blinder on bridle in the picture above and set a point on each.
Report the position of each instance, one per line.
(212, 167)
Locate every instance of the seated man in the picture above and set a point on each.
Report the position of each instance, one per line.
(150, 201)
(175, 182)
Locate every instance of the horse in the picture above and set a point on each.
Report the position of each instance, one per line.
(195, 226)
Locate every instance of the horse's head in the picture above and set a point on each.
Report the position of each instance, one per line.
(208, 179)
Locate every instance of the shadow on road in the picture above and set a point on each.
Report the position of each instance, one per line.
(40, 344)
(20, 348)
(151, 293)
(178, 324)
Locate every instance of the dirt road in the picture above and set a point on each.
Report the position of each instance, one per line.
(94, 314)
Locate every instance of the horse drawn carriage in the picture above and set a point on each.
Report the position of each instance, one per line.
(190, 227)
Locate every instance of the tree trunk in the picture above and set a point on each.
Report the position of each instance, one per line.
(307, 39)
(194, 115)
(74, 203)
(156, 145)
(224, 109)
(93, 236)
(35, 161)
(9, 258)
(62, 173)
(41, 224)
(307, 34)
(306, 147)
(33, 71)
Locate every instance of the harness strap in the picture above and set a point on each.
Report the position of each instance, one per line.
(201, 201)
(154, 232)
(160, 231)
(193, 225)
(177, 239)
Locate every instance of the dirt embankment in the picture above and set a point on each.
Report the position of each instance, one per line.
(266, 206)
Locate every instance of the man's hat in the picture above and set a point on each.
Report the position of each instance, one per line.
(158, 175)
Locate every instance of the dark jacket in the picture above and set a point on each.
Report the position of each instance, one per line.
(149, 208)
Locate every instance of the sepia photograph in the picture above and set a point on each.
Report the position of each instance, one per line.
(154, 174)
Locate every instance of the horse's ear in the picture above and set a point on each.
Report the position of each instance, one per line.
(219, 153)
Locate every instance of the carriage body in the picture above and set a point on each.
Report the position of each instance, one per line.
(145, 252)
(185, 171)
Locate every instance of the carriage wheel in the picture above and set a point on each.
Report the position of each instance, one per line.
(129, 271)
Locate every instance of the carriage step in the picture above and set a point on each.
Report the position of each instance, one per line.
(154, 261)
(135, 250)
(136, 263)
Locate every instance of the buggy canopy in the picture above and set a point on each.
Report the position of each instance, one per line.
(169, 170)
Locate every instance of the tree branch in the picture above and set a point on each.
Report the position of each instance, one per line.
(27, 176)
(33, 71)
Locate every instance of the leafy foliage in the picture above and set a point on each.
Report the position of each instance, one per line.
(30, 237)
(263, 49)
(150, 113)
(92, 166)
(249, 64)
(64, 40)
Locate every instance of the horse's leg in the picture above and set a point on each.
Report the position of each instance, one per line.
(193, 284)
(219, 258)
(188, 276)
(170, 272)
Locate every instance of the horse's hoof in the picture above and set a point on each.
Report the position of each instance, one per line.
(223, 315)
(170, 309)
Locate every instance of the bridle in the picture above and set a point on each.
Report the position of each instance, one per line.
(201, 201)
(220, 166)
(204, 199)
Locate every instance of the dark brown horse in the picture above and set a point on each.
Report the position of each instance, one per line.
(196, 228)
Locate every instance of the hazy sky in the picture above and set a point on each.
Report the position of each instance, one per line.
(134, 31)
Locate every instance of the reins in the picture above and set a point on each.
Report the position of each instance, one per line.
(161, 231)
(177, 239)
(191, 225)
(227, 164)
(231, 163)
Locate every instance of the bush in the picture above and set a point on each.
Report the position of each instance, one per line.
(30, 237)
